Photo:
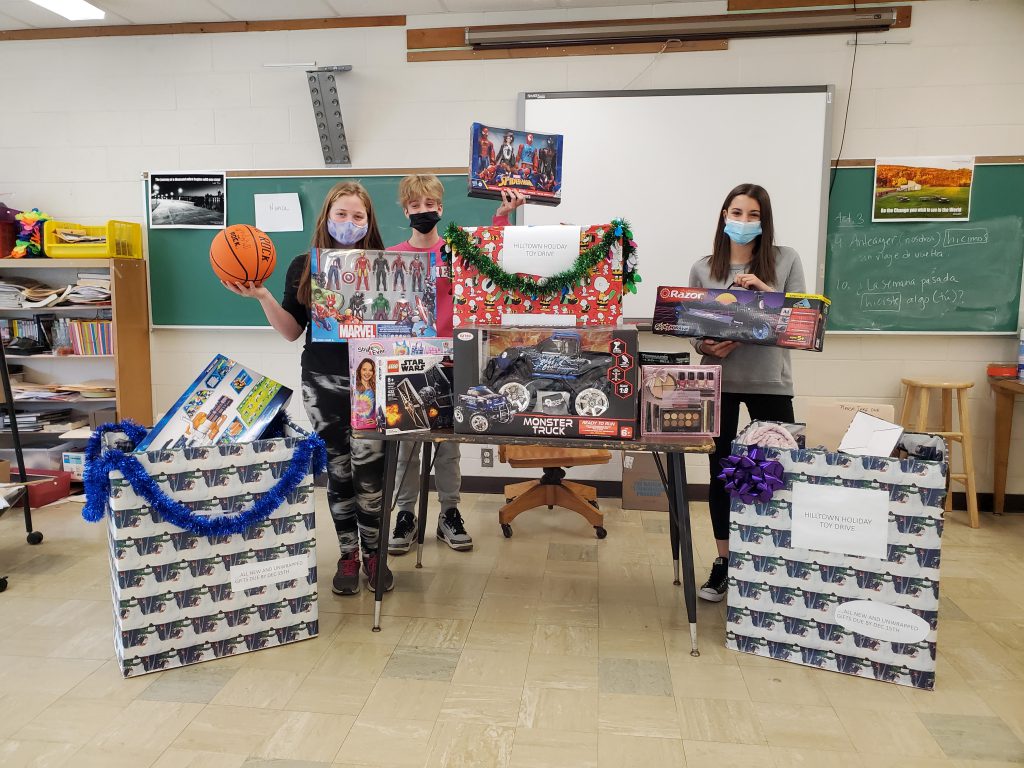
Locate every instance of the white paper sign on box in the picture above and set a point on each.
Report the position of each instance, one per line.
(868, 435)
(542, 251)
(888, 623)
(835, 518)
(281, 212)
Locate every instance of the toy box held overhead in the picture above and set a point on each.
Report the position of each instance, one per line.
(791, 320)
(227, 403)
(680, 400)
(414, 393)
(526, 161)
(362, 356)
(368, 294)
(546, 382)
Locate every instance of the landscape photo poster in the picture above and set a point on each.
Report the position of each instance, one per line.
(923, 189)
(188, 200)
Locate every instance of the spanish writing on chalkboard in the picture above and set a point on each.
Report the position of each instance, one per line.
(927, 277)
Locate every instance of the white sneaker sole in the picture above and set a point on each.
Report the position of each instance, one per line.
(399, 549)
(457, 546)
(710, 595)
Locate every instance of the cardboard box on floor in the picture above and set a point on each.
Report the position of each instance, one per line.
(827, 422)
(641, 484)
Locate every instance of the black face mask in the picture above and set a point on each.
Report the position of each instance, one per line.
(424, 222)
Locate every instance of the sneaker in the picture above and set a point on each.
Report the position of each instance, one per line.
(717, 585)
(405, 532)
(370, 563)
(452, 532)
(346, 580)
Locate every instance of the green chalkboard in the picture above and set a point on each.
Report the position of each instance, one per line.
(184, 291)
(926, 276)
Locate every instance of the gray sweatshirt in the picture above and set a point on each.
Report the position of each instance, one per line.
(751, 368)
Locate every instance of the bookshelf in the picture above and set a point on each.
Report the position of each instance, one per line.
(128, 366)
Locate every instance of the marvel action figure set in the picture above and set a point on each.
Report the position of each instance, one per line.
(505, 158)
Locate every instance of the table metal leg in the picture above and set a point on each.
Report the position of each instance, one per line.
(681, 508)
(673, 523)
(1001, 456)
(421, 516)
(386, 502)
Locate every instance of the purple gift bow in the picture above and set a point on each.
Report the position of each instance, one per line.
(752, 477)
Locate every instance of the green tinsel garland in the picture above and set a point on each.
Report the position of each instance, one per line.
(459, 243)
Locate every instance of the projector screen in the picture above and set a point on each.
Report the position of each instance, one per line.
(664, 160)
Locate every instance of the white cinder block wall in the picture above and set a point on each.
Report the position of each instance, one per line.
(111, 108)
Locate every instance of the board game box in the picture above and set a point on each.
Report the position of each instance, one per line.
(414, 393)
(362, 356)
(506, 158)
(227, 403)
(360, 294)
(791, 320)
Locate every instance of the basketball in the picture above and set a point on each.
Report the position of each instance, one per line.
(241, 254)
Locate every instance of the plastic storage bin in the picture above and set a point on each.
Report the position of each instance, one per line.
(124, 241)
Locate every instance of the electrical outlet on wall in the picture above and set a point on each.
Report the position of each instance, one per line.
(486, 457)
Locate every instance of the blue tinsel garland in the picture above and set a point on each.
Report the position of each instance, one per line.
(99, 464)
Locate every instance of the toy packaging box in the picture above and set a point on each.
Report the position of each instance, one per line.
(479, 302)
(227, 403)
(414, 393)
(181, 598)
(678, 399)
(368, 294)
(362, 356)
(791, 320)
(506, 158)
(839, 568)
(550, 382)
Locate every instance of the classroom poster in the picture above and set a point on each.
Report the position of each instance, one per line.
(923, 189)
(187, 200)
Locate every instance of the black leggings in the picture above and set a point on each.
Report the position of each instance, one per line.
(759, 407)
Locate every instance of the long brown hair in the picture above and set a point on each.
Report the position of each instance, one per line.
(762, 262)
(322, 236)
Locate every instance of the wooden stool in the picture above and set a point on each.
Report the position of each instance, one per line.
(552, 489)
(920, 390)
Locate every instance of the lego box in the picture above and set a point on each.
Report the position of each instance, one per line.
(791, 320)
(363, 356)
(401, 301)
(680, 400)
(414, 393)
(504, 158)
(227, 403)
(550, 382)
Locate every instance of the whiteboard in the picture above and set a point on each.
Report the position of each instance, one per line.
(665, 160)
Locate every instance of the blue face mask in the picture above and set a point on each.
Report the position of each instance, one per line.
(345, 232)
(742, 232)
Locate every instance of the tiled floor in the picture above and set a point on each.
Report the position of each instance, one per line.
(547, 649)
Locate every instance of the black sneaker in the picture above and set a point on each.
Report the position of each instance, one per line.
(717, 585)
(370, 563)
(346, 579)
(405, 532)
(451, 531)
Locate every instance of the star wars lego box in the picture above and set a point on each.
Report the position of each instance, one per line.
(360, 294)
(597, 301)
(791, 320)
(839, 568)
(414, 393)
(506, 158)
(228, 403)
(363, 356)
(548, 382)
(181, 597)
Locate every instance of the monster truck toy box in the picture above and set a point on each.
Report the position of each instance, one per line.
(546, 382)
(414, 393)
(791, 320)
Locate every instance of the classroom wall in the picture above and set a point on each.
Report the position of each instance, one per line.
(98, 112)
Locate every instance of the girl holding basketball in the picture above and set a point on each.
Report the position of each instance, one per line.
(355, 467)
(744, 256)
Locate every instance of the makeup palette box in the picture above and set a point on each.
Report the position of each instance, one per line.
(680, 399)
(771, 319)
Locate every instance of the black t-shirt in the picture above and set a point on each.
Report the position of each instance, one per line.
(329, 357)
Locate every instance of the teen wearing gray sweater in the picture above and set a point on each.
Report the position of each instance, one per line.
(761, 378)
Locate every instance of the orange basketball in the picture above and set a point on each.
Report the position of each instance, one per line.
(241, 254)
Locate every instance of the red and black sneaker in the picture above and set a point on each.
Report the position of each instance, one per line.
(346, 579)
(370, 563)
